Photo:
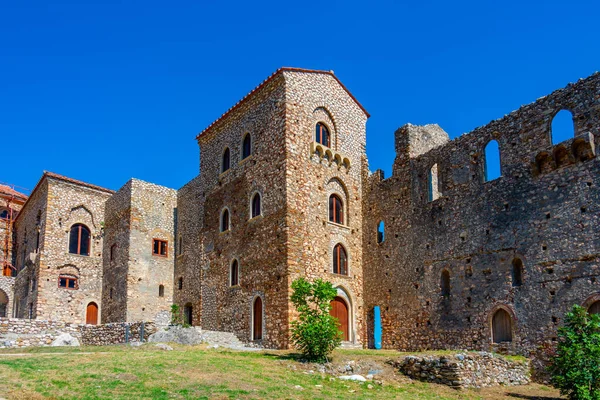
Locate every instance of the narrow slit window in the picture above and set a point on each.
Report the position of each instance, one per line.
(256, 206)
(226, 163)
(225, 220)
(433, 184)
(517, 272)
(235, 273)
(336, 209)
(247, 146)
(161, 291)
(445, 283)
(340, 260)
(380, 232)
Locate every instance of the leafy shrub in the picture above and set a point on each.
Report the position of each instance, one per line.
(316, 332)
(576, 368)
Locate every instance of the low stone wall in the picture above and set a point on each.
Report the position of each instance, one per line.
(470, 370)
(16, 333)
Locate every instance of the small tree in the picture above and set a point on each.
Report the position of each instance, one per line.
(316, 332)
(576, 368)
(176, 317)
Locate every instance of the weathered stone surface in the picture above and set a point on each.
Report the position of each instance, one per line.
(177, 334)
(469, 370)
(65, 339)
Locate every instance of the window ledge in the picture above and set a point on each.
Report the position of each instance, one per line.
(333, 157)
(245, 160)
(336, 225)
(80, 255)
(258, 217)
(224, 173)
(225, 232)
(160, 255)
(340, 275)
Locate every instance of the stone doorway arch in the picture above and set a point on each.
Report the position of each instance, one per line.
(3, 304)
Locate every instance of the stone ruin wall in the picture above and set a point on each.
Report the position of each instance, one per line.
(259, 245)
(316, 172)
(544, 210)
(19, 333)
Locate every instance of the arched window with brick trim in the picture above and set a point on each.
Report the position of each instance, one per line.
(322, 135)
(340, 260)
(336, 209)
(80, 240)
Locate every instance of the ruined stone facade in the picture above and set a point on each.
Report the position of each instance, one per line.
(453, 258)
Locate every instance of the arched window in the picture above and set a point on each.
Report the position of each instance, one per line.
(340, 260)
(255, 209)
(322, 134)
(113, 252)
(3, 303)
(235, 273)
(247, 146)
(161, 290)
(336, 209)
(563, 127)
(187, 314)
(594, 308)
(445, 283)
(380, 232)
(501, 327)
(79, 240)
(492, 167)
(4, 214)
(517, 272)
(257, 319)
(433, 191)
(226, 163)
(225, 220)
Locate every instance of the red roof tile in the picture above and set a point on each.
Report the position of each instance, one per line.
(269, 79)
(8, 191)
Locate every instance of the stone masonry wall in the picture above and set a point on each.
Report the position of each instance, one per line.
(315, 172)
(18, 333)
(469, 370)
(258, 244)
(542, 211)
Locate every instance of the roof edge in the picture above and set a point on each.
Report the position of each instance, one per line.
(270, 79)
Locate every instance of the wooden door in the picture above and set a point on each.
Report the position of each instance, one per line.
(501, 327)
(257, 319)
(339, 310)
(91, 315)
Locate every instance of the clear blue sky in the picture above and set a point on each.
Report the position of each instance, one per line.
(106, 91)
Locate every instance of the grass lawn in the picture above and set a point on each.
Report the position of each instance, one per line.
(121, 372)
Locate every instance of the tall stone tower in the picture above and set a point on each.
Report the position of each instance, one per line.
(279, 196)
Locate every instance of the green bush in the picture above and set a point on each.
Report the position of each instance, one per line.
(316, 332)
(575, 369)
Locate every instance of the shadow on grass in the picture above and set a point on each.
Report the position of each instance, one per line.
(528, 397)
(286, 356)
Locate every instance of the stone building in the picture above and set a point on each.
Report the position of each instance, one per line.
(454, 256)
(11, 202)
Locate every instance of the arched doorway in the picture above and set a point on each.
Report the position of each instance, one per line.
(3, 303)
(187, 314)
(594, 308)
(257, 319)
(339, 310)
(501, 327)
(91, 314)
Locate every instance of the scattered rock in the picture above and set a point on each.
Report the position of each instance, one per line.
(358, 378)
(298, 387)
(164, 346)
(65, 339)
(176, 334)
(135, 344)
(369, 386)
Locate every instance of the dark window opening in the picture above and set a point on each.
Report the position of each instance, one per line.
(225, 220)
(160, 247)
(594, 308)
(113, 253)
(68, 282)
(161, 291)
(187, 314)
(322, 135)
(79, 240)
(247, 146)
(517, 272)
(256, 205)
(336, 209)
(340, 260)
(445, 283)
(234, 273)
(180, 283)
(180, 246)
(226, 164)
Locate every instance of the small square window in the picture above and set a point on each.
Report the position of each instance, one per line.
(67, 282)
(159, 247)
